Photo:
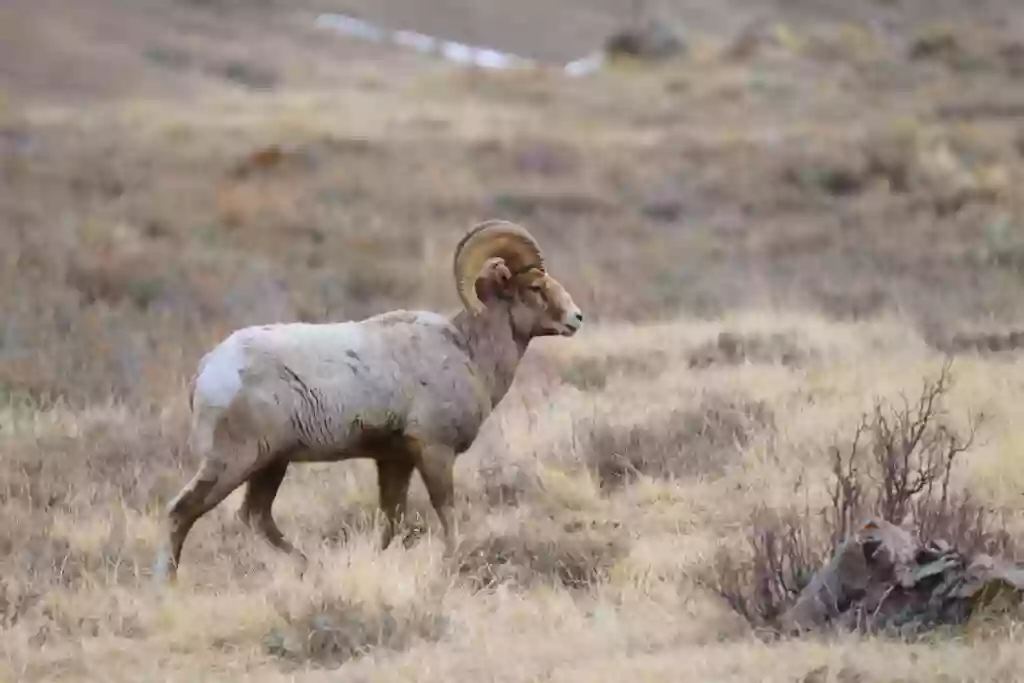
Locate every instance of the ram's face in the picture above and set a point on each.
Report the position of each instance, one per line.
(542, 307)
(498, 262)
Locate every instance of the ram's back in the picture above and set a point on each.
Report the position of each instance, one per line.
(325, 385)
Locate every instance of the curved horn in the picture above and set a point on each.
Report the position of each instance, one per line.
(509, 241)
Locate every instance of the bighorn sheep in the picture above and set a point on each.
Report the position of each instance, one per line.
(408, 389)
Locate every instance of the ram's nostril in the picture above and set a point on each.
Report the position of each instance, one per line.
(579, 316)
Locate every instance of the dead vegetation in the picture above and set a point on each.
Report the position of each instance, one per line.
(729, 348)
(589, 374)
(984, 342)
(575, 556)
(698, 442)
(897, 469)
(851, 164)
(329, 635)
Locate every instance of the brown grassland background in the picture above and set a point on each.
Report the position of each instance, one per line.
(766, 236)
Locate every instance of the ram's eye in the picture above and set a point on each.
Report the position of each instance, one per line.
(536, 288)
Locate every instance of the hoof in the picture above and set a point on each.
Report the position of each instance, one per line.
(301, 567)
(164, 571)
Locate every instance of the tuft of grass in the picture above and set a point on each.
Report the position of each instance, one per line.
(730, 348)
(247, 74)
(700, 442)
(331, 634)
(592, 373)
(575, 556)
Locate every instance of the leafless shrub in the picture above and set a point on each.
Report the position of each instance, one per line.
(647, 40)
(330, 634)
(682, 443)
(982, 343)
(251, 76)
(731, 348)
(896, 467)
(573, 556)
(955, 48)
(589, 374)
(902, 473)
(783, 554)
(505, 485)
(835, 177)
(939, 43)
(168, 56)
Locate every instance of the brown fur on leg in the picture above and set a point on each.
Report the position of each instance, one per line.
(393, 477)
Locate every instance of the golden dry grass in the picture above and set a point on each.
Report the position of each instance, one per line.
(762, 248)
(613, 571)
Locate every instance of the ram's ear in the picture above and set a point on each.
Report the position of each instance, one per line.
(492, 282)
(495, 272)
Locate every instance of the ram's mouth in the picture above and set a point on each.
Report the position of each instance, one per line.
(559, 330)
(572, 324)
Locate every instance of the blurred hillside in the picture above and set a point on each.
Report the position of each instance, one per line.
(811, 160)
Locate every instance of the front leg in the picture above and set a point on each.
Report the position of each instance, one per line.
(436, 465)
(393, 476)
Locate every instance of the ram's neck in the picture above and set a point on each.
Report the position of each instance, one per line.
(493, 346)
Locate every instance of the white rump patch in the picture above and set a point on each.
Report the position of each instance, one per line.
(219, 379)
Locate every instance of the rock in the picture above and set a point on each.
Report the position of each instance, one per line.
(831, 590)
(879, 553)
(882, 577)
(889, 549)
(987, 579)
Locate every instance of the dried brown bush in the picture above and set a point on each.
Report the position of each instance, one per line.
(731, 348)
(505, 485)
(574, 555)
(588, 373)
(332, 633)
(694, 442)
(897, 467)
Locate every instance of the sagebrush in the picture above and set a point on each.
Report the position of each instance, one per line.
(897, 466)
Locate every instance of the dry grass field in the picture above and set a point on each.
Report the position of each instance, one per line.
(767, 237)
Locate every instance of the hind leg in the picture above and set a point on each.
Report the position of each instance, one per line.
(223, 469)
(255, 512)
(212, 484)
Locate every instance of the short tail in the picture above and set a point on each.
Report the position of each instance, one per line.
(192, 392)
